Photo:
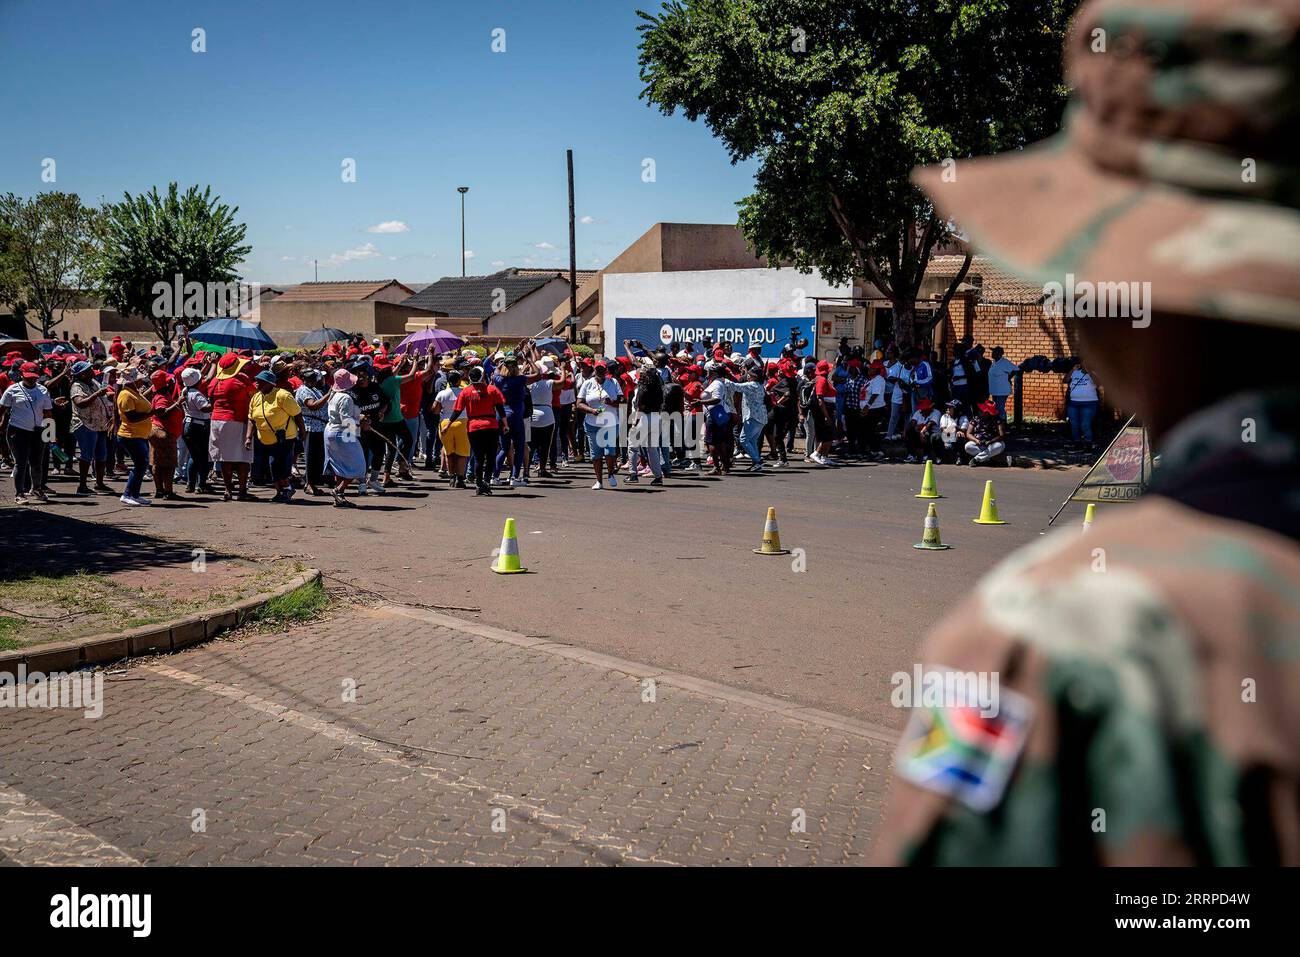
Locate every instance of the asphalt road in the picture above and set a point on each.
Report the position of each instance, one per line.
(665, 576)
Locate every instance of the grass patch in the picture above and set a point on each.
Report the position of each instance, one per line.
(7, 640)
(301, 604)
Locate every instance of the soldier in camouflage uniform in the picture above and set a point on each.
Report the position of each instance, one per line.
(1149, 670)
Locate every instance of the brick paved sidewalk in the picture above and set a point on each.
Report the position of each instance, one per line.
(458, 748)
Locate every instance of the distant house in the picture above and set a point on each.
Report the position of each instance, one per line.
(374, 308)
(663, 248)
(510, 304)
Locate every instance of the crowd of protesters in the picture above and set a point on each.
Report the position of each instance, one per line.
(352, 420)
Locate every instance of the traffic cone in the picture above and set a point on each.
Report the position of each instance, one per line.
(989, 510)
(930, 539)
(929, 489)
(507, 562)
(771, 537)
(1088, 518)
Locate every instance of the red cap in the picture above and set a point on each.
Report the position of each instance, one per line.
(382, 364)
(925, 405)
(160, 379)
(989, 408)
(30, 370)
(823, 368)
(228, 360)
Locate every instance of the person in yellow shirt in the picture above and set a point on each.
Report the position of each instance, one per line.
(136, 415)
(276, 418)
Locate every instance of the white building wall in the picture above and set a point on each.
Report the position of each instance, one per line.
(720, 294)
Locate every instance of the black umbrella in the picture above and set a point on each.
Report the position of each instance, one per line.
(323, 337)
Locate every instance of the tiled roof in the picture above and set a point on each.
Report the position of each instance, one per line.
(350, 291)
(475, 296)
(583, 274)
(995, 284)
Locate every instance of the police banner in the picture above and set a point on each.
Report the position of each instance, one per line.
(734, 335)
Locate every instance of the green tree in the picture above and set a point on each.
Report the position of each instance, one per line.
(151, 239)
(838, 100)
(48, 246)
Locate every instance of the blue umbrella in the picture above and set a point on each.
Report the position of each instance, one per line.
(557, 346)
(233, 334)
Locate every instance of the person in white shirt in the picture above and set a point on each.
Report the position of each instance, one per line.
(952, 431)
(1083, 402)
(900, 400)
(921, 435)
(599, 398)
(874, 407)
(1000, 373)
(24, 408)
(541, 436)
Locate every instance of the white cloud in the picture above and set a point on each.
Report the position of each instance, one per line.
(355, 254)
(392, 226)
(498, 262)
(587, 220)
(288, 259)
(543, 245)
(469, 254)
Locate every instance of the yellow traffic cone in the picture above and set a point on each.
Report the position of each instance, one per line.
(507, 562)
(930, 539)
(771, 537)
(989, 510)
(1089, 517)
(929, 489)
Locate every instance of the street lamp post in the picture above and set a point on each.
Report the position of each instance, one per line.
(462, 190)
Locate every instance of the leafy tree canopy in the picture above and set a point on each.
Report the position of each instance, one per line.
(48, 246)
(151, 239)
(839, 100)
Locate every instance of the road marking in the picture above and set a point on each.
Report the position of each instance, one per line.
(576, 833)
(33, 835)
(703, 686)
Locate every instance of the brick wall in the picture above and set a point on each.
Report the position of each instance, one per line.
(1023, 331)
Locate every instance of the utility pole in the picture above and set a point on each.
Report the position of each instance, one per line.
(316, 266)
(573, 260)
(462, 190)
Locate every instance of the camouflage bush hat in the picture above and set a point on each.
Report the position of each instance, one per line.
(1176, 164)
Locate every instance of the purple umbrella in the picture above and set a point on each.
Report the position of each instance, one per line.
(437, 340)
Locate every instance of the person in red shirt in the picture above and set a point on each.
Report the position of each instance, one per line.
(484, 406)
(168, 420)
(823, 409)
(230, 393)
(117, 350)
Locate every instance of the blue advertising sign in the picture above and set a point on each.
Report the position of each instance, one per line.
(734, 335)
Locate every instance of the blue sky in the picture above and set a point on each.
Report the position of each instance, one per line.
(410, 89)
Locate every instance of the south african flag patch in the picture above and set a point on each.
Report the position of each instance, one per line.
(964, 753)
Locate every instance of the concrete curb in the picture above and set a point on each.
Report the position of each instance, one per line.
(156, 639)
(703, 686)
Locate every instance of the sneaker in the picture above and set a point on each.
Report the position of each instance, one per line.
(599, 486)
(910, 459)
(613, 481)
(657, 481)
(361, 489)
(525, 480)
(22, 499)
(514, 483)
(780, 464)
(817, 459)
(40, 496)
(376, 485)
(129, 500)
